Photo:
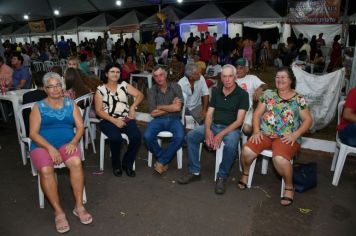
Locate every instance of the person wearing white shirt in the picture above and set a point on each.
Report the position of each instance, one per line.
(196, 91)
(252, 85)
(109, 44)
(159, 40)
(212, 72)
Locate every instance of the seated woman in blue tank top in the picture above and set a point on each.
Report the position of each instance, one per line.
(52, 123)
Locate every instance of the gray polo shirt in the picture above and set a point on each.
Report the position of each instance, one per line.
(156, 97)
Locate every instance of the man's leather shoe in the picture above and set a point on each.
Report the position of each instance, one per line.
(185, 179)
(117, 172)
(220, 185)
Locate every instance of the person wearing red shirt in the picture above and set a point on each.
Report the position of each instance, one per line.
(347, 126)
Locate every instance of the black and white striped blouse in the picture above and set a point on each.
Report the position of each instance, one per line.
(115, 104)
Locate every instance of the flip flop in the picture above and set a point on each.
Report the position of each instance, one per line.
(61, 222)
(241, 185)
(83, 216)
(284, 198)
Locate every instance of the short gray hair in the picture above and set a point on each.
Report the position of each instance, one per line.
(233, 68)
(190, 68)
(51, 75)
(159, 67)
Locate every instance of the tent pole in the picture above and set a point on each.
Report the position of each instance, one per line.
(345, 24)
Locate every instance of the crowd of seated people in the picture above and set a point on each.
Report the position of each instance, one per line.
(183, 79)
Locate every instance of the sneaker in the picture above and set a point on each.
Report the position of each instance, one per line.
(186, 179)
(220, 185)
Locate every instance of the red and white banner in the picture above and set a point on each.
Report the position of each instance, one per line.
(313, 11)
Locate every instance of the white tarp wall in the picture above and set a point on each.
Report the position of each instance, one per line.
(218, 28)
(329, 31)
(322, 93)
(233, 29)
(286, 32)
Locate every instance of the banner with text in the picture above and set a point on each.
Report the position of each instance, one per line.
(313, 11)
(322, 94)
(37, 26)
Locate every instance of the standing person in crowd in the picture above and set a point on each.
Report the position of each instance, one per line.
(52, 123)
(247, 51)
(313, 47)
(21, 77)
(85, 64)
(117, 117)
(205, 50)
(196, 91)
(280, 119)
(300, 41)
(335, 57)
(226, 112)
(159, 41)
(213, 71)
(252, 85)
(320, 42)
(347, 127)
(306, 47)
(63, 48)
(165, 101)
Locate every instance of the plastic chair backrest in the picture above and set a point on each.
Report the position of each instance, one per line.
(23, 133)
(340, 108)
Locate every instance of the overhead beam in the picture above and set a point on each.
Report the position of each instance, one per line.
(93, 5)
(53, 20)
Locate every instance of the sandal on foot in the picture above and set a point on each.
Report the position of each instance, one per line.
(284, 198)
(61, 222)
(83, 216)
(241, 185)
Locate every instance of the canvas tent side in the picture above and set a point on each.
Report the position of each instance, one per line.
(254, 17)
(6, 33)
(95, 27)
(128, 23)
(70, 29)
(171, 13)
(209, 16)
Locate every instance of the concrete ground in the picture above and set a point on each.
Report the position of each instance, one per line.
(156, 205)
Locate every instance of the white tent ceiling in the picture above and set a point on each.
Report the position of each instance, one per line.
(13, 10)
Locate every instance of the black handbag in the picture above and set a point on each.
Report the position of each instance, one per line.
(304, 176)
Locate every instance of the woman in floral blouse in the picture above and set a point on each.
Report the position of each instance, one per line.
(280, 119)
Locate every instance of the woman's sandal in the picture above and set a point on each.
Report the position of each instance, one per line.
(241, 185)
(62, 225)
(284, 198)
(83, 216)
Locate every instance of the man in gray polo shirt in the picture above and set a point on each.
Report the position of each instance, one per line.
(226, 112)
(165, 100)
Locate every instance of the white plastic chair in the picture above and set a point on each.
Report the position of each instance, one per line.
(39, 66)
(86, 101)
(266, 154)
(167, 134)
(48, 65)
(24, 136)
(341, 151)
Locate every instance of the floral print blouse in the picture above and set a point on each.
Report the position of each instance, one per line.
(281, 117)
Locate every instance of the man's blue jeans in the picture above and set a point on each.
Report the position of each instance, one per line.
(171, 124)
(197, 136)
(347, 135)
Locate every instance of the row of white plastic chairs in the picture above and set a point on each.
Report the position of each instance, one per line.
(46, 66)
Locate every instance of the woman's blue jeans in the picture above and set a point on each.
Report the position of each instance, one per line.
(197, 136)
(114, 134)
